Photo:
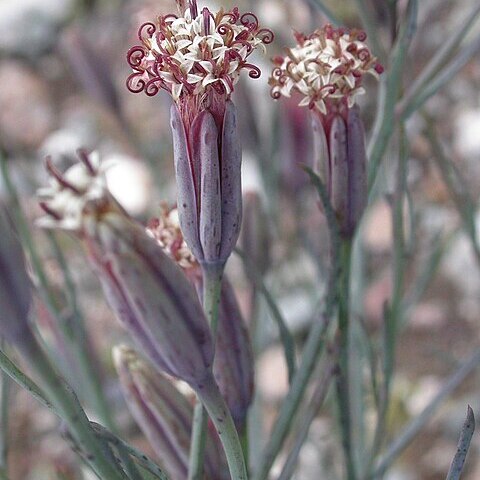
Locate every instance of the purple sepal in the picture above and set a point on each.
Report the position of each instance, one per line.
(233, 364)
(255, 235)
(339, 170)
(164, 415)
(231, 160)
(321, 157)
(154, 299)
(15, 293)
(205, 154)
(357, 167)
(186, 184)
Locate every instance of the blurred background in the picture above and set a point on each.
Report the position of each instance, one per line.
(62, 86)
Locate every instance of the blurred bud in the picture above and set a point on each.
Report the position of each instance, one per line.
(255, 237)
(342, 160)
(208, 170)
(233, 364)
(15, 294)
(295, 149)
(89, 69)
(164, 415)
(147, 290)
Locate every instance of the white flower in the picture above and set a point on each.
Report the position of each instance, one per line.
(191, 56)
(329, 64)
(69, 193)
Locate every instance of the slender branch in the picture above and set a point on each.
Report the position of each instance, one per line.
(313, 347)
(286, 336)
(331, 17)
(212, 283)
(416, 425)
(143, 460)
(89, 375)
(311, 412)
(342, 383)
(442, 55)
(95, 450)
(440, 80)
(457, 186)
(222, 419)
(463, 445)
(5, 387)
(393, 85)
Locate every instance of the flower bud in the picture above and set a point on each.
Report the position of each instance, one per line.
(147, 290)
(341, 155)
(164, 415)
(208, 170)
(233, 364)
(326, 69)
(15, 294)
(255, 236)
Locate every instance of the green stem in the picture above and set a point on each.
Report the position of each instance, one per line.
(463, 445)
(198, 442)
(79, 342)
(406, 437)
(314, 345)
(212, 285)
(5, 394)
(343, 356)
(286, 336)
(90, 379)
(222, 419)
(7, 366)
(96, 452)
(311, 411)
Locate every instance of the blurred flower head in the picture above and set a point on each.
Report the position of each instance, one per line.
(148, 292)
(73, 193)
(326, 66)
(196, 56)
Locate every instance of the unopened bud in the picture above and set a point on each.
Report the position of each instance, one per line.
(255, 237)
(340, 151)
(15, 294)
(208, 171)
(164, 415)
(148, 292)
(233, 364)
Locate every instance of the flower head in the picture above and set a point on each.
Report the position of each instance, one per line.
(71, 194)
(195, 53)
(166, 230)
(326, 66)
(148, 293)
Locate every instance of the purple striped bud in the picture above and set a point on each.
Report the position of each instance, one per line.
(340, 153)
(208, 170)
(233, 364)
(164, 415)
(15, 294)
(148, 292)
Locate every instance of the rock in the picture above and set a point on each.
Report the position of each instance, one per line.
(26, 114)
(28, 27)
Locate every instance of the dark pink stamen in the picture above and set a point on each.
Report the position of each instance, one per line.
(55, 173)
(50, 211)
